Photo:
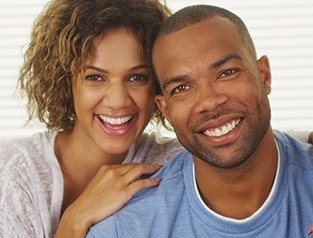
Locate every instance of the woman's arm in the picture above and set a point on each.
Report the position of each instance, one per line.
(22, 212)
(108, 191)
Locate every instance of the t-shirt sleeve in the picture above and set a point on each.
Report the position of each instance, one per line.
(18, 215)
(153, 148)
(103, 229)
(300, 135)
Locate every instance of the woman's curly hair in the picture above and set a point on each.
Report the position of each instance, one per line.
(61, 41)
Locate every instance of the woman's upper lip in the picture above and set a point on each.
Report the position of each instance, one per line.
(116, 115)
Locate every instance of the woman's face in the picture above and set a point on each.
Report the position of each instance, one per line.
(113, 97)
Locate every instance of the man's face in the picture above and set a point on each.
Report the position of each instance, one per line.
(215, 92)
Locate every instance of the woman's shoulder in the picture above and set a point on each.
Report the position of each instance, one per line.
(27, 158)
(27, 185)
(33, 147)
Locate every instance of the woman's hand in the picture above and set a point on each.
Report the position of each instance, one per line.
(107, 192)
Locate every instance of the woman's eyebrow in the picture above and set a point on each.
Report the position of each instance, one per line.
(134, 68)
(96, 68)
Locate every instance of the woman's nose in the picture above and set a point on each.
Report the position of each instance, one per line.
(117, 96)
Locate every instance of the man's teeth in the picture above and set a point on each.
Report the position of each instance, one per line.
(222, 130)
(115, 121)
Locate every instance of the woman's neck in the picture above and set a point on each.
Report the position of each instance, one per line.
(79, 160)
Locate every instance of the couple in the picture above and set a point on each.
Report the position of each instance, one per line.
(238, 178)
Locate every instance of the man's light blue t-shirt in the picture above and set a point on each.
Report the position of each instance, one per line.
(174, 208)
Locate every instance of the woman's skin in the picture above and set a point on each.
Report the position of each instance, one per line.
(114, 102)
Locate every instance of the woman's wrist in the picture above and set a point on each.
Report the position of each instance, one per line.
(73, 224)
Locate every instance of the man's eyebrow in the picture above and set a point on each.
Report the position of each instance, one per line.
(214, 65)
(223, 60)
(176, 79)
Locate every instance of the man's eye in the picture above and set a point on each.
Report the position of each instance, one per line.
(228, 72)
(93, 78)
(138, 79)
(180, 89)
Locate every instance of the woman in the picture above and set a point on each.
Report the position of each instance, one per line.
(87, 78)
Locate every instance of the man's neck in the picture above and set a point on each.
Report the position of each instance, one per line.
(239, 192)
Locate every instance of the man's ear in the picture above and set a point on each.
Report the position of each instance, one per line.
(160, 102)
(264, 69)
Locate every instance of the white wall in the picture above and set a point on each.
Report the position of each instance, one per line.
(283, 30)
(16, 18)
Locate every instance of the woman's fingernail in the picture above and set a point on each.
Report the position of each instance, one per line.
(310, 232)
(159, 180)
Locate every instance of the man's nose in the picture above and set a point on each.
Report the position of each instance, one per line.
(209, 98)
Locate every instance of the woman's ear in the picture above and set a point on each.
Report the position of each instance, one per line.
(264, 69)
(161, 104)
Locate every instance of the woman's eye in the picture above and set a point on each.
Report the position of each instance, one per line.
(138, 79)
(93, 78)
(180, 89)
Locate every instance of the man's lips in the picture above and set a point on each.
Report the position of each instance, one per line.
(215, 127)
(222, 130)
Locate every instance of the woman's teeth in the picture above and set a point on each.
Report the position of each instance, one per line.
(115, 120)
(222, 130)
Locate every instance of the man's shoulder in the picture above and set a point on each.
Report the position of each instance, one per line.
(299, 154)
(105, 228)
(172, 175)
(153, 148)
(148, 204)
(174, 167)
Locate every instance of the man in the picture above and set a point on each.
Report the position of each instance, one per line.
(239, 178)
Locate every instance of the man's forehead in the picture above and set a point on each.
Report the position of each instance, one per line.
(208, 29)
(195, 39)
